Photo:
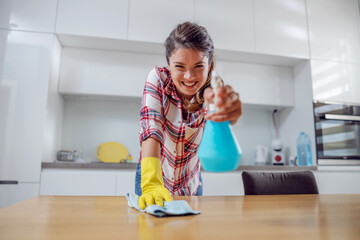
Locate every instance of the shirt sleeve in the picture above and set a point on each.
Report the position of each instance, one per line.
(152, 119)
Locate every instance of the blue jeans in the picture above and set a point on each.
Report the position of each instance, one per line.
(138, 190)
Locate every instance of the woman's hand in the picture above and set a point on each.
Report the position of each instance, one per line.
(228, 104)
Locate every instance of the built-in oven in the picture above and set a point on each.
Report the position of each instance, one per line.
(337, 133)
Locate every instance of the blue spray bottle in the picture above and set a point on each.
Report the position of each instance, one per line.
(219, 150)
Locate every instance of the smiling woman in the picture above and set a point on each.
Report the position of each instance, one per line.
(172, 116)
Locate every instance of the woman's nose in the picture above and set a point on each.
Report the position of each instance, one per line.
(189, 74)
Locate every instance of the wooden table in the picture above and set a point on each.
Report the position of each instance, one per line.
(240, 217)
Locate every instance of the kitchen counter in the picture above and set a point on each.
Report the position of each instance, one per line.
(223, 217)
(100, 165)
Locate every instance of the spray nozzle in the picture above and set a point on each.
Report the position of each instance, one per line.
(215, 80)
(216, 83)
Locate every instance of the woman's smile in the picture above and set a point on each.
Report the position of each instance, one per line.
(189, 84)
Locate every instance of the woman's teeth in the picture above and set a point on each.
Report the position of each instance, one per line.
(189, 84)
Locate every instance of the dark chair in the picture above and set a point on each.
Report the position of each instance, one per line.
(270, 183)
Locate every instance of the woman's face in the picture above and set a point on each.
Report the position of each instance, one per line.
(189, 70)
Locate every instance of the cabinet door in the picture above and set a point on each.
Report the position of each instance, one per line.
(335, 81)
(78, 182)
(334, 30)
(96, 18)
(222, 184)
(281, 28)
(338, 182)
(24, 70)
(11, 194)
(105, 73)
(125, 182)
(30, 15)
(259, 84)
(152, 21)
(230, 24)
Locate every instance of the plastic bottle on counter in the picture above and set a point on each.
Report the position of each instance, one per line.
(303, 146)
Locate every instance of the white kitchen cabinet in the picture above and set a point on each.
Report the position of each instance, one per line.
(262, 85)
(334, 181)
(125, 182)
(152, 21)
(334, 29)
(281, 28)
(106, 73)
(338, 180)
(230, 24)
(29, 15)
(24, 70)
(335, 81)
(11, 194)
(87, 182)
(107, 19)
(78, 182)
(222, 184)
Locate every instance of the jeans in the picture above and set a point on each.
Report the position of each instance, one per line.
(138, 190)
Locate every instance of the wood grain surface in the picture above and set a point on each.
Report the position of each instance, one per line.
(229, 217)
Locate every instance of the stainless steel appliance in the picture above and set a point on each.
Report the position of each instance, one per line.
(337, 128)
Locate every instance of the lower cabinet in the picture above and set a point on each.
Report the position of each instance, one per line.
(86, 182)
(12, 194)
(337, 181)
(222, 184)
(119, 182)
(328, 181)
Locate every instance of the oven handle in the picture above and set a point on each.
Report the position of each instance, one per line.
(342, 117)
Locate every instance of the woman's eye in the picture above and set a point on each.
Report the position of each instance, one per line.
(179, 66)
(199, 66)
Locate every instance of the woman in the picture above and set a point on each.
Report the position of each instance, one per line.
(173, 115)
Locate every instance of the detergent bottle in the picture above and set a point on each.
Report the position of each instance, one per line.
(219, 150)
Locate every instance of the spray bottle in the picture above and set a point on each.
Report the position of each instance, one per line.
(219, 150)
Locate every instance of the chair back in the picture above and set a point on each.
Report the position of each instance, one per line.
(271, 183)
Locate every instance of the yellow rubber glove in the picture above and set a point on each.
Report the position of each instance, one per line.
(152, 183)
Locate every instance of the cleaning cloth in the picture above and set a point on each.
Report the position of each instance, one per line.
(172, 208)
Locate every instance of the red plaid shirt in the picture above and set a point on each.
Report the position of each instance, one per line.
(161, 118)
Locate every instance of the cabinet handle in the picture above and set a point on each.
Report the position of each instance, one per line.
(9, 182)
(342, 117)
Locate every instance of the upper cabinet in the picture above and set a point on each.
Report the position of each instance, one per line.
(335, 81)
(29, 15)
(24, 76)
(230, 25)
(334, 30)
(96, 18)
(152, 21)
(105, 73)
(281, 28)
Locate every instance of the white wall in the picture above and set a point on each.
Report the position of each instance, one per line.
(89, 122)
(292, 121)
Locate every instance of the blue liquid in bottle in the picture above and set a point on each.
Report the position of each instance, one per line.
(219, 150)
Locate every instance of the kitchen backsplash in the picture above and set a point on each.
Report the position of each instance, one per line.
(90, 122)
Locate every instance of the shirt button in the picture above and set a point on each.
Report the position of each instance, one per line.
(174, 151)
(179, 121)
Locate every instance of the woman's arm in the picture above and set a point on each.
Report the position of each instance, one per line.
(150, 148)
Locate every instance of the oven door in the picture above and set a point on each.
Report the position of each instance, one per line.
(338, 136)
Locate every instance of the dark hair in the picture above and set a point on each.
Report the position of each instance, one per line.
(192, 36)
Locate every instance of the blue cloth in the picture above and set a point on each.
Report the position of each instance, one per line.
(138, 190)
(173, 208)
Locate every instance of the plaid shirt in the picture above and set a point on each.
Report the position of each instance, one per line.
(161, 118)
